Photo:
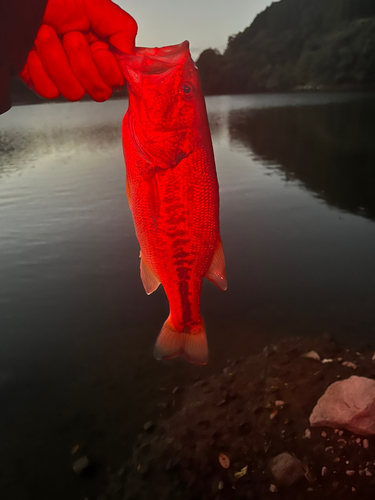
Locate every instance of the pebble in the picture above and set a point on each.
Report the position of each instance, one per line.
(149, 426)
(336, 460)
(220, 486)
(358, 440)
(162, 405)
(327, 360)
(80, 464)
(341, 433)
(349, 364)
(142, 468)
(324, 471)
(368, 473)
(311, 355)
(366, 443)
(273, 414)
(307, 434)
(176, 389)
(350, 472)
(373, 357)
(323, 434)
(279, 403)
(273, 488)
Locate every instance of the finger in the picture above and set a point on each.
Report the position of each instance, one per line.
(108, 20)
(25, 76)
(108, 68)
(83, 66)
(40, 82)
(56, 65)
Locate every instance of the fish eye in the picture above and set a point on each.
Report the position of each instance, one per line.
(187, 89)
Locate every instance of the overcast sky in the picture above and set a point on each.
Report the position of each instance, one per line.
(205, 23)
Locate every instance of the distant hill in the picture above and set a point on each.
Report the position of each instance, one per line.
(296, 44)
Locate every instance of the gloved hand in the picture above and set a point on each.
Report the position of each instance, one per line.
(72, 50)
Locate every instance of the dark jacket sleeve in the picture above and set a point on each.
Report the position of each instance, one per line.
(19, 23)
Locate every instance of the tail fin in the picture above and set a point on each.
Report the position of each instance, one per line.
(191, 346)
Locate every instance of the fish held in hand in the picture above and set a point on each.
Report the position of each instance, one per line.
(172, 190)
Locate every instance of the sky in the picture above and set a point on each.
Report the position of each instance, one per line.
(205, 23)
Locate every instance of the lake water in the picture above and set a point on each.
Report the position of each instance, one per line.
(297, 185)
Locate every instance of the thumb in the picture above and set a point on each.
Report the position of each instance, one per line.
(108, 20)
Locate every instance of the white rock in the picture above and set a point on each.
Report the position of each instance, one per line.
(349, 404)
(311, 355)
(286, 469)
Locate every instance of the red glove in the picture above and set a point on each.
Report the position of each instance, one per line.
(72, 50)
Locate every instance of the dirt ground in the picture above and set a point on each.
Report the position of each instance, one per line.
(257, 408)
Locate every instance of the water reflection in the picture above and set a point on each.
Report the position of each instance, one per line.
(330, 149)
(19, 147)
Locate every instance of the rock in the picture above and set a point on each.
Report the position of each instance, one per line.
(81, 464)
(349, 364)
(162, 405)
(286, 469)
(311, 355)
(149, 426)
(142, 468)
(349, 404)
(307, 434)
(279, 403)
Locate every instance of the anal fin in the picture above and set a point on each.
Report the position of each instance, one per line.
(216, 272)
(149, 279)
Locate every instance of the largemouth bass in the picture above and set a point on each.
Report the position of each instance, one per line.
(173, 191)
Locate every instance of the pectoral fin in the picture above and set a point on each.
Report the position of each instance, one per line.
(216, 272)
(149, 279)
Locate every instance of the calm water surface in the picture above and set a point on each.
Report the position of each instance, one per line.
(297, 181)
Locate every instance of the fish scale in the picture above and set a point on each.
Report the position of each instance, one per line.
(173, 191)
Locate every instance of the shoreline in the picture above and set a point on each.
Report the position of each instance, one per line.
(257, 408)
(33, 99)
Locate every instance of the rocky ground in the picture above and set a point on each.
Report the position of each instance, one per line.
(222, 438)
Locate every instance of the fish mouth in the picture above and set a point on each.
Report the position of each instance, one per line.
(158, 60)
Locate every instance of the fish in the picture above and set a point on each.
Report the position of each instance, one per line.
(172, 190)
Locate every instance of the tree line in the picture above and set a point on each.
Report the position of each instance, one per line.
(296, 44)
